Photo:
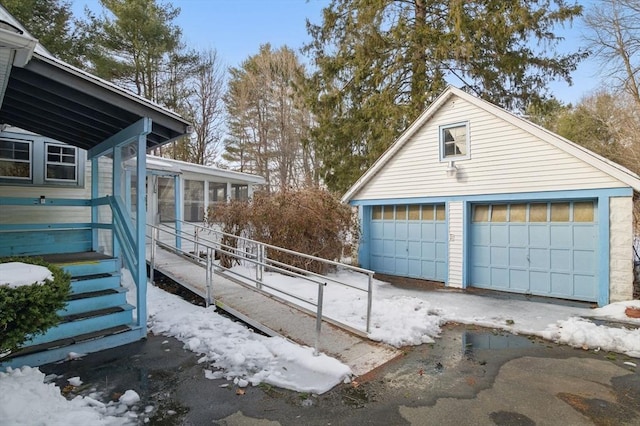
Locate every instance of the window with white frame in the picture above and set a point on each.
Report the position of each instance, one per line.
(15, 159)
(239, 192)
(454, 141)
(61, 163)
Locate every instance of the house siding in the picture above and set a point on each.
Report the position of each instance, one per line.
(504, 159)
(621, 253)
(456, 240)
(47, 214)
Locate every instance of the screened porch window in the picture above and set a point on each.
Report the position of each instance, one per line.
(193, 200)
(61, 163)
(217, 192)
(240, 192)
(15, 159)
(166, 199)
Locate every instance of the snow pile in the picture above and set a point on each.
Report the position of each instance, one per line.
(402, 321)
(16, 274)
(240, 353)
(25, 399)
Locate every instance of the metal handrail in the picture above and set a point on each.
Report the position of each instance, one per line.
(210, 270)
(368, 272)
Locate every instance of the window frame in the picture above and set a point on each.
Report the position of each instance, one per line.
(47, 163)
(20, 179)
(442, 142)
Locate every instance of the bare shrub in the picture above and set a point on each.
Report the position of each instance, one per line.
(310, 220)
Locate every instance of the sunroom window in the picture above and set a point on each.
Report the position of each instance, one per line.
(15, 159)
(61, 163)
(454, 141)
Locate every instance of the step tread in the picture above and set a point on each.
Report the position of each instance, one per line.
(80, 278)
(97, 293)
(96, 313)
(68, 341)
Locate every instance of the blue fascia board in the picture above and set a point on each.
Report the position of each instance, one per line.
(67, 202)
(127, 135)
(603, 247)
(507, 197)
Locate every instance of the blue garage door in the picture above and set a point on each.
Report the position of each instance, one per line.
(542, 248)
(409, 241)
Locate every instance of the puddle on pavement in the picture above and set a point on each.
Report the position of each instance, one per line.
(461, 362)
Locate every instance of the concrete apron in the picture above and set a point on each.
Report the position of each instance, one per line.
(276, 317)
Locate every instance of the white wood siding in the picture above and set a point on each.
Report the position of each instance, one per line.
(504, 159)
(456, 240)
(47, 214)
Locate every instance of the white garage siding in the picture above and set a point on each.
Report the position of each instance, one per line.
(503, 159)
(456, 243)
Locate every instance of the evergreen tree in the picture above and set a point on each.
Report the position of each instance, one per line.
(381, 62)
(53, 24)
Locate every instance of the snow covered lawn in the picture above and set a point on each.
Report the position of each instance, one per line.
(229, 350)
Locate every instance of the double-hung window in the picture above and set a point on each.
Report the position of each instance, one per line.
(454, 142)
(15, 159)
(61, 163)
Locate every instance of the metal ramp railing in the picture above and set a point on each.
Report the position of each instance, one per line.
(217, 252)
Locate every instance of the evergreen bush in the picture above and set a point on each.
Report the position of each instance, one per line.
(29, 310)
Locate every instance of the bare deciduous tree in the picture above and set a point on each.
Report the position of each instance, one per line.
(614, 38)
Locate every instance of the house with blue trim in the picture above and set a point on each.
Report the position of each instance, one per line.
(73, 189)
(472, 195)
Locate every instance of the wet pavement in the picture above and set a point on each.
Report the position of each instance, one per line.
(470, 375)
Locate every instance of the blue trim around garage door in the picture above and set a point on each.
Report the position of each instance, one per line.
(602, 195)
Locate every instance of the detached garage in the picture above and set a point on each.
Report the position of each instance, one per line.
(474, 196)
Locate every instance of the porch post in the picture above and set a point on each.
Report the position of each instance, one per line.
(178, 210)
(95, 193)
(116, 191)
(141, 230)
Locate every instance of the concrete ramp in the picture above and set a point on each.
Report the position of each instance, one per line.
(276, 317)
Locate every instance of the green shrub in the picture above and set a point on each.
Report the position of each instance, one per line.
(310, 221)
(29, 310)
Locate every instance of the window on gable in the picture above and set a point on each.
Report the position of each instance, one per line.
(15, 159)
(454, 141)
(61, 163)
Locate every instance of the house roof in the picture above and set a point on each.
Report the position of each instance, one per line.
(52, 98)
(607, 166)
(177, 167)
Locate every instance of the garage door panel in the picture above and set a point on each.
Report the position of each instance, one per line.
(561, 236)
(518, 235)
(389, 247)
(537, 248)
(388, 230)
(561, 284)
(400, 231)
(442, 233)
(499, 256)
(414, 230)
(561, 260)
(481, 277)
(539, 282)
(584, 236)
(401, 248)
(429, 268)
(518, 257)
(414, 249)
(500, 278)
(402, 266)
(584, 287)
(539, 259)
(414, 267)
(441, 251)
(428, 231)
(428, 250)
(519, 280)
(388, 264)
(539, 236)
(441, 270)
(499, 235)
(583, 261)
(480, 235)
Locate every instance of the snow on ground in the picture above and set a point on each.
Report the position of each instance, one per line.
(16, 274)
(399, 317)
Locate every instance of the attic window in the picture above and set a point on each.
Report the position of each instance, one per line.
(454, 141)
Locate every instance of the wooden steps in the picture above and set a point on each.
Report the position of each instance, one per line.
(96, 314)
